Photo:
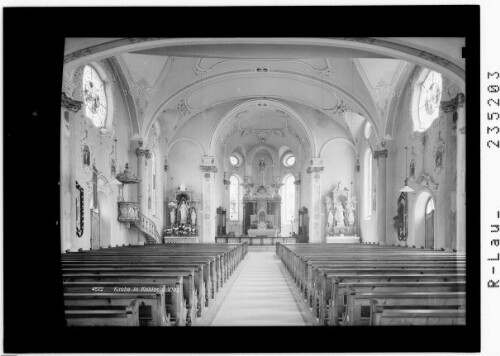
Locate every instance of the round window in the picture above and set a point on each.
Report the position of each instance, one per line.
(94, 96)
(289, 160)
(234, 160)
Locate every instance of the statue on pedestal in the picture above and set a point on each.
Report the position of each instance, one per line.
(193, 217)
(339, 214)
(184, 212)
(172, 216)
(350, 213)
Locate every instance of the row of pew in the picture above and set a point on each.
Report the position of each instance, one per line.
(150, 285)
(356, 284)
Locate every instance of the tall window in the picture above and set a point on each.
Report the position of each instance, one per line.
(234, 199)
(153, 184)
(368, 171)
(427, 100)
(288, 200)
(430, 206)
(94, 96)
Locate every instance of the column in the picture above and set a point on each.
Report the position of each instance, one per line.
(298, 203)
(208, 213)
(315, 171)
(142, 155)
(381, 156)
(453, 181)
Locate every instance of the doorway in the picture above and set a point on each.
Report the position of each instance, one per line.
(429, 224)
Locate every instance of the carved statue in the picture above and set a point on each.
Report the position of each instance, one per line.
(172, 216)
(262, 169)
(340, 186)
(330, 218)
(184, 212)
(350, 213)
(193, 217)
(339, 214)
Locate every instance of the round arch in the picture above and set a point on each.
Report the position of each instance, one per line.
(419, 208)
(251, 154)
(351, 99)
(180, 139)
(399, 49)
(250, 103)
(340, 140)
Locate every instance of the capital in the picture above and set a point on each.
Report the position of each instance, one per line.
(380, 154)
(297, 182)
(452, 104)
(315, 169)
(70, 104)
(209, 169)
(143, 152)
(227, 182)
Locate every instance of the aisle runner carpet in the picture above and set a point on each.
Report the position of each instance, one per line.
(261, 295)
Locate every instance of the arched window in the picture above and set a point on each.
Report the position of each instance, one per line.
(153, 184)
(430, 206)
(234, 199)
(368, 171)
(288, 200)
(426, 101)
(368, 130)
(94, 96)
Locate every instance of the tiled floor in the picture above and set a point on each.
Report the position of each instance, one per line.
(261, 295)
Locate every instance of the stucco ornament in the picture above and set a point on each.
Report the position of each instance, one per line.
(438, 153)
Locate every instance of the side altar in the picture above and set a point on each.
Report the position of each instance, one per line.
(341, 220)
(181, 217)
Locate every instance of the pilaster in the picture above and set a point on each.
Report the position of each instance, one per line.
(381, 156)
(208, 172)
(314, 172)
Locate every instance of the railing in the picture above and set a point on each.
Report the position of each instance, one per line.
(148, 227)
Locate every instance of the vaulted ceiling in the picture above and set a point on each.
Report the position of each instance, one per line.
(175, 81)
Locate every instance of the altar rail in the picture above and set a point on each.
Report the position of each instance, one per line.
(255, 241)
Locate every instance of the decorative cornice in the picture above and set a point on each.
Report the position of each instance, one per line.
(143, 151)
(315, 169)
(380, 154)
(210, 169)
(453, 104)
(70, 104)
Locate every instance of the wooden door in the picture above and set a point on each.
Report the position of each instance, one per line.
(429, 230)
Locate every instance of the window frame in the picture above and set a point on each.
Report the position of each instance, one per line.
(418, 92)
(104, 83)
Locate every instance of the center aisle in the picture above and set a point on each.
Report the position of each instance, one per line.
(261, 294)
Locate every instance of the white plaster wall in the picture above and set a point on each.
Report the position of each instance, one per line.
(425, 163)
(76, 128)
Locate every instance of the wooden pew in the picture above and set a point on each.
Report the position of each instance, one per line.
(335, 306)
(199, 284)
(167, 279)
(357, 307)
(103, 315)
(414, 316)
(152, 310)
(174, 302)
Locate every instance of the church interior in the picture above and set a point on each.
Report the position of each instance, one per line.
(263, 181)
